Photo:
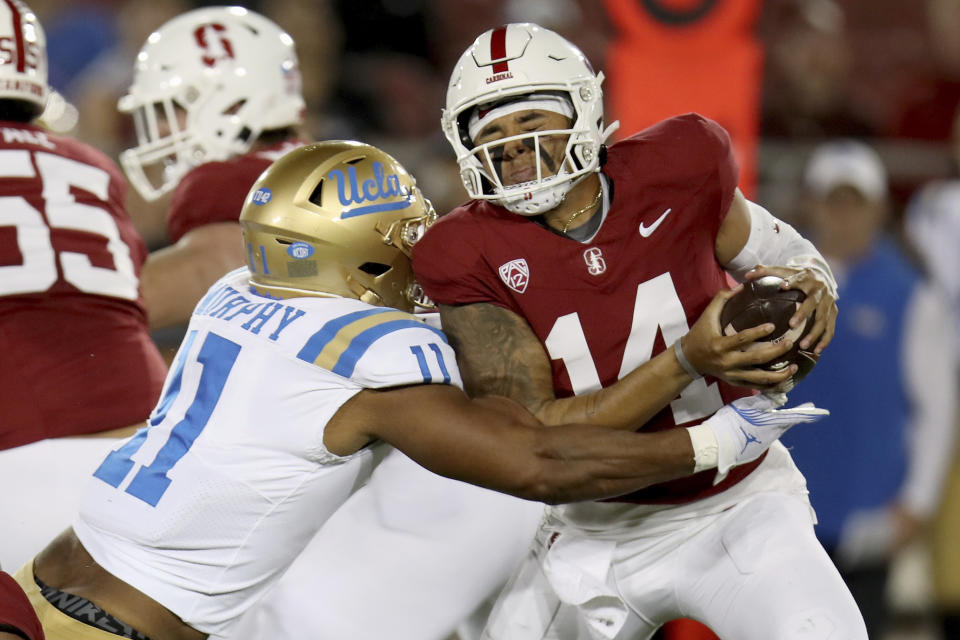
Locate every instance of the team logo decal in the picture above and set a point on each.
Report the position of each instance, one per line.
(515, 274)
(383, 191)
(261, 196)
(595, 262)
(215, 46)
(498, 54)
(299, 250)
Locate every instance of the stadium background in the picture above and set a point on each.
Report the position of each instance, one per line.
(781, 75)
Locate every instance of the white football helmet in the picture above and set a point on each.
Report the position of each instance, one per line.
(505, 64)
(205, 85)
(23, 55)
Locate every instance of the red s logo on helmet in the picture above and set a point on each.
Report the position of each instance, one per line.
(216, 47)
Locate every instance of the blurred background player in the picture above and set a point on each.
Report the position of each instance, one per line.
(899, 419)
(215, 99)
(78, 357)
(932, 227)
(295, 371)
(572, 265)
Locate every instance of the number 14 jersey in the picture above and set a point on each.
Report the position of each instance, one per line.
(604, 307)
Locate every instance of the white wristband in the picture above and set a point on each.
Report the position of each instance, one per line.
(706, 451)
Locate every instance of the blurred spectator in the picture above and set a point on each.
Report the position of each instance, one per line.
(18, 621)
(932, 225)
(889, 381)
(930, 101)
(77, 35)
(451, 25)
(809, 66)
(320, 37)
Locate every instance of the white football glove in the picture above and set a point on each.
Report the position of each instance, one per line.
(747, 426)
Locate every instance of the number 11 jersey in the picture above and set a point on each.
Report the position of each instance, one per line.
(211, 502)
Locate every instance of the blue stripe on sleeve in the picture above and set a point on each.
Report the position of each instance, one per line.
(321, 338)
(359, 345)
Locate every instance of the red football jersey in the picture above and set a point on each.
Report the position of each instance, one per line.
(215, 191)
(77, 354)
(604, 307)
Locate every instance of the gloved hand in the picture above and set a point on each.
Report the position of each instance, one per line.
(746, 427)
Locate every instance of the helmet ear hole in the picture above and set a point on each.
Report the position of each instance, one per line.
(374, 268)
(316, 196)
(235, 107)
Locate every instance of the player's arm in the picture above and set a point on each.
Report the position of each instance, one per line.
(499, 354)
(493, 442)
(174, 278)
(751, 243)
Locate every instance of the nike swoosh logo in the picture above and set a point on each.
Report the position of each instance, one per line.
(646, 232)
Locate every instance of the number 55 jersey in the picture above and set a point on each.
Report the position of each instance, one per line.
(210, 503)
(603, 307)
(77, 354)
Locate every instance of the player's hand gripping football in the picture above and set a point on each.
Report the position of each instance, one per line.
(745, 428)
(712, 353)
(818, 299)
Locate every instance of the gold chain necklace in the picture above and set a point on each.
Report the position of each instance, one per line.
(592, 204)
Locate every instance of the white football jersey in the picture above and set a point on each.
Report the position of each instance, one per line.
(211, 502)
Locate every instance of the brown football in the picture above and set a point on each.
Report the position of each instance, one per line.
(760, 301)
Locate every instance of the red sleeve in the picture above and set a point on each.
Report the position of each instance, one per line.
(213, 192)
(718, 151)
(16, 610)
(460, 275)
(710, 154)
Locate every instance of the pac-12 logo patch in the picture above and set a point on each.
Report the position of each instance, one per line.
(515, 274)
(262, 196)
(300, 250)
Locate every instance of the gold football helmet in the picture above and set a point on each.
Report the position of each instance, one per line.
(335, 218)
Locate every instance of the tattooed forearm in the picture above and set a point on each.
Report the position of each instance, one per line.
(498, 354)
